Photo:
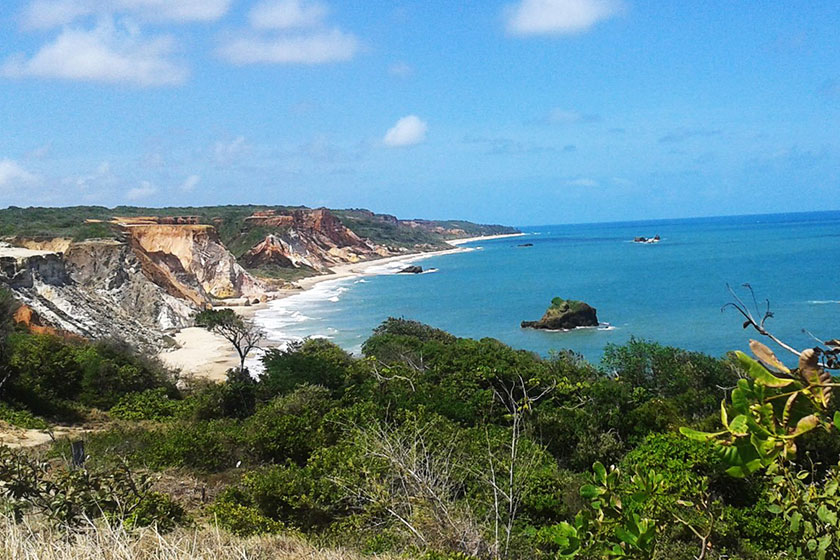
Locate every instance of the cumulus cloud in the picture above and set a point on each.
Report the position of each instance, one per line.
(12, 174)
(558, 17)
(104, 54)
(190, 183)
(48, 14)
(145, 190)
(315, 48)
(287, 14)
(289, 32)
(408, 131)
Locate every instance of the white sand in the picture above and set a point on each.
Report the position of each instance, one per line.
(201, 354)
(483, 238)
(206, 355)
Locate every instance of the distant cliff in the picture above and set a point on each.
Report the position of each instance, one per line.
(137, 272)
(266, 240)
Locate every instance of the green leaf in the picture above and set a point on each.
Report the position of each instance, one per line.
(805, 425)
(739, 425)
(759, 373)
(698, 435)
(590, 491)
(826, 515)
(626, 536)
(724, 418)
(795, 518)
(741, 396)
(837, 419)
(600, 472)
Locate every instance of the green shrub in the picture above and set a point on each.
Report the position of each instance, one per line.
(22, 418)
(242, 520)
(152, 404)
(287, 427)
(313, 362)
(158, 510)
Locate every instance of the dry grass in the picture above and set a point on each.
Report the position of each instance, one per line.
(103, 542)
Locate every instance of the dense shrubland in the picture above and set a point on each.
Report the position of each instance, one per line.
(431, 445)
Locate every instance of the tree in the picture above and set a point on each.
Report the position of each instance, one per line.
(242, 333)
(8, 307)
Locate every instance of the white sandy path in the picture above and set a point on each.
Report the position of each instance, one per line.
(203, 354)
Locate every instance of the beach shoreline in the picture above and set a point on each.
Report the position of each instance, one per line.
(205, 355)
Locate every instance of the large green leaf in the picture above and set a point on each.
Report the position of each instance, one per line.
(739, 425)
(698, 435)
(759, 373)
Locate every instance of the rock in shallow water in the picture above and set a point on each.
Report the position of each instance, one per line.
(565, 314)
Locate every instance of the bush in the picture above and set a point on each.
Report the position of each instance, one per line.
(152, 404)
(313, 362)
(287, 427)
(22, 418)
(242, 520)
(158, 510)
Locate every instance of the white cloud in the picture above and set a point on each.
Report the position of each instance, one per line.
(190, 183)
(287, 14)
(315, 48)
(558, 17)
(401, 70)
(582, 182)
(47, 14)
(145, 190)
(103, 54)
(297, 34)
(226, 153)
(12, 174)
(408, 131)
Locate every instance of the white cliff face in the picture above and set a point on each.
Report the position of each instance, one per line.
(96, 289)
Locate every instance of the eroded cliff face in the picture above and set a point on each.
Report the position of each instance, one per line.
(95, 289)
(152, 280)
(190, 262)
(314, 239)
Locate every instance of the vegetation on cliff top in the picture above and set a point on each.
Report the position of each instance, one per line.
(229, 220)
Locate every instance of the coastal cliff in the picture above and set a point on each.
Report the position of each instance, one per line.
(95, 289)
(138, 274)
(313, 239)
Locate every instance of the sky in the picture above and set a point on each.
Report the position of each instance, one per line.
(520, 112)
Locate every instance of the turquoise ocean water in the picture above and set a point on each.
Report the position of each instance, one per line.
(671, 292)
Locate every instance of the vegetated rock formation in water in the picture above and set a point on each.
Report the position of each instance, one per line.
(314, 239)
(152, 279)
(565, 314)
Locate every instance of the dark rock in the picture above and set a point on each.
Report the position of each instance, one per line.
(525, 245)
(411, 270)
(565, 314)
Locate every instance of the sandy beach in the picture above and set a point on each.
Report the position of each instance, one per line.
(202, 354)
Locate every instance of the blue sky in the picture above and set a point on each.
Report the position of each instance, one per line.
(518, 111)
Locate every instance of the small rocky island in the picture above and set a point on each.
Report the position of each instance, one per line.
(413, 269)
(564, 314)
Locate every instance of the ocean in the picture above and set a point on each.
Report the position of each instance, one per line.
(671, 292)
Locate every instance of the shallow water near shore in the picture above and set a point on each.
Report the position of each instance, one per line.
(671, 292)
